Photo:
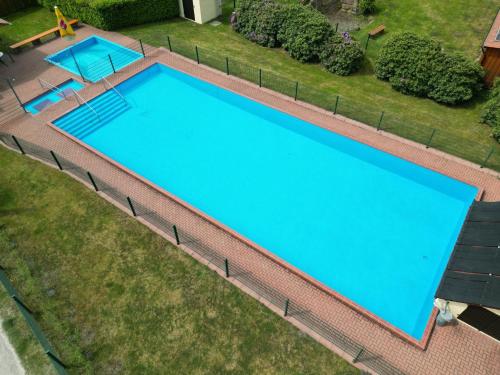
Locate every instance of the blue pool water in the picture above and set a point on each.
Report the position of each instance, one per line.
(50, 97)
(91, 57)
(375, 228)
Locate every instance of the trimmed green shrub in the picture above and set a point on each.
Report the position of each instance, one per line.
(418, 66)
(301, 30)
(11, 6)
(491, 111)
(304, 32)
(341, 55)
(260, 21)
(367, 6)
(115, 14)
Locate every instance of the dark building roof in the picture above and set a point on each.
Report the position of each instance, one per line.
(473, 272)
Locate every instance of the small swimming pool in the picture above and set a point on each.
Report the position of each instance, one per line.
(53, 96)
(94, 58)
(375, 228)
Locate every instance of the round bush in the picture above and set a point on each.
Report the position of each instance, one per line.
(341, 55)
(260, 21)
(367, 6)
(304, 32)
(418, 66)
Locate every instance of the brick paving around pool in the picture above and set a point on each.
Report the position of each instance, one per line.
(458, 349)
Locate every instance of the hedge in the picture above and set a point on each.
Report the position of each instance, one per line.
(115, 14)
(302, 31)
(11, 6)
(418, 66)
(491, 111)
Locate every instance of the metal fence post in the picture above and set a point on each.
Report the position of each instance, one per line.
(260, 77)
(227, 65)
(15, 94)
(20, 304)
(336, 105)
(142, 48)
(197, 54)
(487, 157)
(18, 145)
(367, 40)
(296, 90)
(356, 358)
(176, 234)
(131, 206)
(77, 65)
(112, 65)
(169, 44)
(337, 27)
(380, 121)
(430, 139)
(92, 181)
(55, 359)
(56, 160)
(226, 267)
(287, 303)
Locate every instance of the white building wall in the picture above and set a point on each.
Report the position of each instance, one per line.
(204, 10)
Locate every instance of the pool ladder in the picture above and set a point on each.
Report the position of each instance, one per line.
(105, 81)
(82, 101)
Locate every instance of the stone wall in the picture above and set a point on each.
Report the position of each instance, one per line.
(350, 5)
(328, 5)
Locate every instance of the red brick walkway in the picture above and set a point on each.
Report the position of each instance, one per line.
(451, 350)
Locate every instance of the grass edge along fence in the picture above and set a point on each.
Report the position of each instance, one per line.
(227, 267)
(485, 155)
(59, 366)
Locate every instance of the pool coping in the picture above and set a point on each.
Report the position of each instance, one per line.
(421, 344)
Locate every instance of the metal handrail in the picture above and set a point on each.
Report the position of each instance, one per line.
(104, 80)
(52, 87)
(78, 98)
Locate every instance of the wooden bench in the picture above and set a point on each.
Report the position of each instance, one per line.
(378, 30)
(37, 38)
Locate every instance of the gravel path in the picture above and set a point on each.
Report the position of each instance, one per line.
(9, 362)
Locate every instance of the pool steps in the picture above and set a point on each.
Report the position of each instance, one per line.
(82, 122)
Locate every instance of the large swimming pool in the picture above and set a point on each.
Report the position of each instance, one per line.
(372, 227)
(94, 58)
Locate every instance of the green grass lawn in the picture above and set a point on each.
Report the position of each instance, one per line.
(113, 297)
(25, 24)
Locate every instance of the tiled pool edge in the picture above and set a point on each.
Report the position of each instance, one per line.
(421, 344)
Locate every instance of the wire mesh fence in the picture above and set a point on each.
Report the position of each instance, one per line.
(59, 366)
(196, 237)
(486, 154)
